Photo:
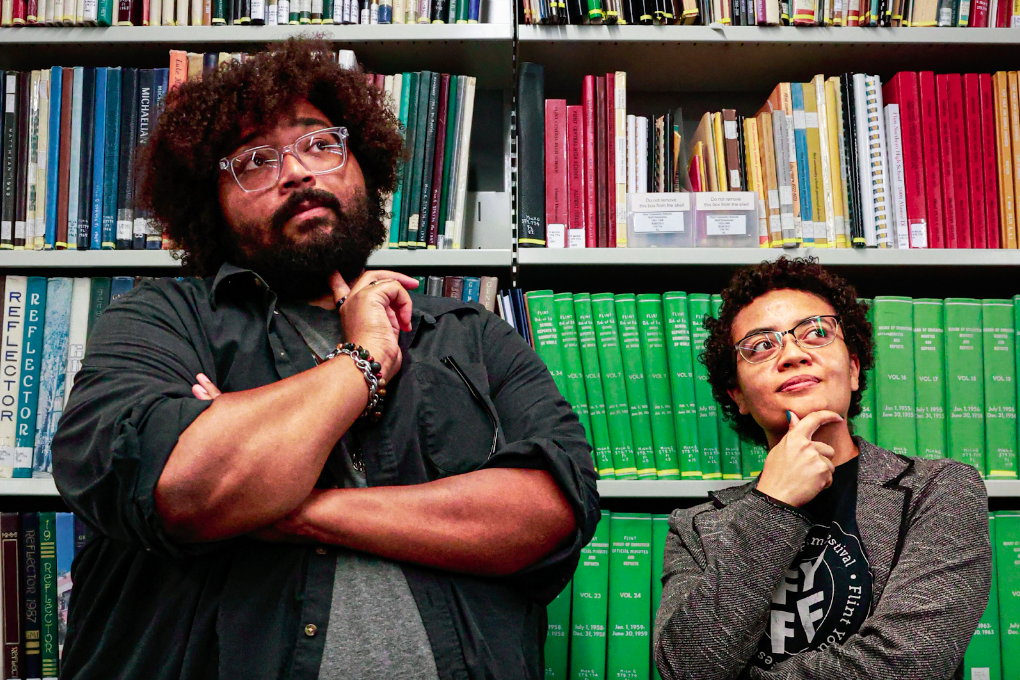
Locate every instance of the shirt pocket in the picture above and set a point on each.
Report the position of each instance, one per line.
(456, 420)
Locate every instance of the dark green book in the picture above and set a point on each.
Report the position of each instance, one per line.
(653, 355)
(428, 163)
(637, 390)
(48, 571)
(409, 206)
(588, 341)
(445, 198)
(699, 306)
(99, 298)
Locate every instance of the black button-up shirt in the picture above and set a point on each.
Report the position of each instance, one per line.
(145, 606)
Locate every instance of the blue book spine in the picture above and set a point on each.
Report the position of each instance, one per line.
(112, 159)
(53, 157)
(31, 590)
(161, 77)
(146, 109)
(81, 534)
(65, 555)
(98, 160)
(474, 11)
(472, 286)
(51, 378)
(31, 364)
(803, 169)
(120, 285)
(75, 164)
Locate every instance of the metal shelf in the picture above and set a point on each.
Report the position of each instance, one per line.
(749, 58)
(481, 50)
(609, 488)
(28, 487)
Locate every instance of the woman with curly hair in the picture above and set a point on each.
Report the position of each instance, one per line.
(843, 559)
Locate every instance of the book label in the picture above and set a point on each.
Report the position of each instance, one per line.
(575, 238)
(785, 196)
(124, 230)
(918, 234)
(659, 222)
(555, 236)
(6, 229)
(726, 225)
(660, 212)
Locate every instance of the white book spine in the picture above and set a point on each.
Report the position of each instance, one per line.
(879, 171)
(90, 12)
(182, 12)
(631, 155)
(79, 12)
(827, 184)
(10, 365)
(32, 188)
(196, 12)
(77, 331)
(894, 150)
(642, 154)
(42, 158)
(469, 109)
(863, 160)
(168, 13)
(57, 14)
(398, 11)
(155, 12)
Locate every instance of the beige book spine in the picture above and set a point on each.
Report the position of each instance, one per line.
(42, 158)
(465, 138)
(768, 154)
(834, 130)
(757, 184)
(786, 101)
(824, 143)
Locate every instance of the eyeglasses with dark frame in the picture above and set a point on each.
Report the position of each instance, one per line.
(811, 333)
(258, 168)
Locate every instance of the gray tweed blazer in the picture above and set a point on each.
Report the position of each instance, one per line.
(924, 528)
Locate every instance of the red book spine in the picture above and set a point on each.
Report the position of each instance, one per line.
(694, 174)
(125, 10)
(611, 160)
(991, 174)
(32, 12)
(602, 239)
(18, 12)
(979, 14)
(1002, 14)
(902, 90)
(945, 134)
(575, 176)
(437, 165)
(932, 160)
(590, 194)
(556, 173)
(975, 160)
(145, 12)
(961, 172)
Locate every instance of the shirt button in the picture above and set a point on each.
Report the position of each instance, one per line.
(283, 354)
(275, 312)
(311, 630)
(320, 551)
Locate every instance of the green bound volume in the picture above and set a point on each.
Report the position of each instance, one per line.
(630, 580)
(637, 391)
(930, 378)
(593, 386)
(965, 394)
(617, 412)
(983, 658)
(570, 352)
(1000, 393)
(48, 593)
(752, 458)
(681, 382)
(729, 440)
(864, 423)
(708, 411)
(591, 607)
(894, 368)
(1007, 559)
(653, 353)
(406, 83)
(660, 529)
(545, 334)
(556, 641)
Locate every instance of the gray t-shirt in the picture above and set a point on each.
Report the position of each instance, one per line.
(374, 629)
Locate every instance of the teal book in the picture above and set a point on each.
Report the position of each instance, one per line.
(699, 306)
(588, 343)
(660, 530)
(637, 390)
(894, 370)
(752, 458)
(414, 148)
(965, 394)
(591, 607)
(48, 599)
(99, 298)
(557, 642)
(545, 334)
(1007, 558)
(630, 612)
(983, 658)
(613, 385)
(107, 220)
(31, 365)
(998, 354)
(930, 378)
(864, 422)
(570, 354)
(395, 205)
(803, 162)
(729, 440)
(653, 355)
(52, 372)
(681, 383)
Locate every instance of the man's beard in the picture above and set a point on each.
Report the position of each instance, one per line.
(301, 271)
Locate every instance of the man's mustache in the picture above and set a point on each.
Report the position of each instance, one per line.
(294, 205)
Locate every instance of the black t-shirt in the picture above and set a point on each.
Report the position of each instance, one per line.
(826, 593)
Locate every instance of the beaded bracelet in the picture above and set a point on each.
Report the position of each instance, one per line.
(373, 376)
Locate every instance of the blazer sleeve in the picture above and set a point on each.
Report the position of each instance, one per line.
(921, 626)
(721, 567)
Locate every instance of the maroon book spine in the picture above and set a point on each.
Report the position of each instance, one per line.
(610, 169)
(126, 13)
(555, 172)
(590, 166)
(437, 164)
(575, 176)
(602, 238)
(975, 161)
(989, 159)
(65, 157)
(10, 567)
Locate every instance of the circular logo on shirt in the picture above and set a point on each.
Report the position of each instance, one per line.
(822, 599)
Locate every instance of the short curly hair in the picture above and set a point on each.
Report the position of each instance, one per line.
(202, 121)
(750, 283)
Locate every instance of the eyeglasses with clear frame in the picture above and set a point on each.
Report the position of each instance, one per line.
(258, 168)
(811, 333)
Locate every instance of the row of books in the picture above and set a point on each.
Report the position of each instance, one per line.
(483, 290)
(600, 625)
(35, 588)
(627, 364)
(944, 383)
(235, 12)
(994, 649)
(865, 13)
(45, 327)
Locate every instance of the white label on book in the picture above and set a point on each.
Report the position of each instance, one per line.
(412, 226)
(575, 238)
(811, 119)
(23, 456)
(283, 12)
(734, 180)
(11, 99)
(19, 229)
(6, 230)
(785, 195)
(787, 221)
(272, 14)
(946, 16)
(798, 120)
(724, 200)
(980, 674)
(621, 160)
(139, 226)
(774, 198)
(918, 235)
(776, 222)
(89, 10)
(730, 129)
(659, 222)
(555, 236)
(726, 225)
(620, 91)
(1016, 20)
(258, 10)
(124, 230)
